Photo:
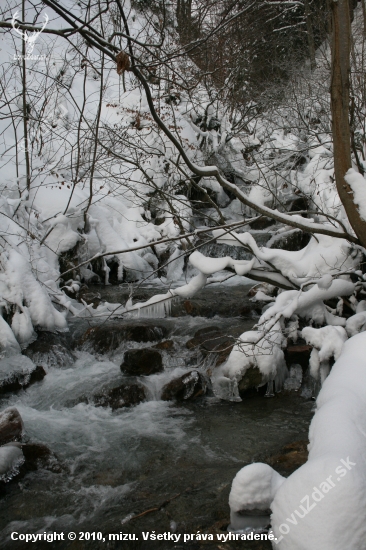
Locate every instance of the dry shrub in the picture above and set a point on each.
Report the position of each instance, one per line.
(123, 62)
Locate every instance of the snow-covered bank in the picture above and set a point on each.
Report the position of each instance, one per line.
(322, 505)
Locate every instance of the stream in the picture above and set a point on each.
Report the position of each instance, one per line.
(122, 463)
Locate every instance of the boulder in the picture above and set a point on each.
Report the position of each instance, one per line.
(11, 426)
(209, 340)
(293, 241)
(187, 387)
(50, 349)
(18, 372)
(298, 353)
(89, 297)
(142, 362)
(165, 345)
(125, 395)
(146, 333)
(37, 456)
(261, 223)
(106, 338)
(252, 379)
(266, 288)
(220, 347)
(290, 458)
(11, 458)
(203, 336)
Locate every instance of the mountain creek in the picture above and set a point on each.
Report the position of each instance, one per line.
(136, 439)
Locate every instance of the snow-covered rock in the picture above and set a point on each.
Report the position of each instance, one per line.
(11, 457)
(253, 490)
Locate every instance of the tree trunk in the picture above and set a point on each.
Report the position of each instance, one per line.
(310, 34)
(184, 19)
(364, 16)
(25, 107)
(340, 97)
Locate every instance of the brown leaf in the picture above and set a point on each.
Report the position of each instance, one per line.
(123, 62)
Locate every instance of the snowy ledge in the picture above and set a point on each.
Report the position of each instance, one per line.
(322, 505)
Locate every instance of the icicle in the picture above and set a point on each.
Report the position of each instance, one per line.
(269, 391)
(106, 272)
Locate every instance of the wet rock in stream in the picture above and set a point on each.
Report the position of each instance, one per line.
(202, 336)
(290, 457)
(187, 387)
(17, 373)
(298, 353)
(18, 457)
(125, 395)
(38, 455)
(50, 349)
(11, 426)
(253, 378)
(106, 338)
(11, 457)
(142, 362)
(165, 345)
(209, 340)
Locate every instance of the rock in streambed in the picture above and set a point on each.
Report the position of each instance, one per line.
(142, 362)
(18, 372)
(106, 338)
(187, 387)
(125, 395)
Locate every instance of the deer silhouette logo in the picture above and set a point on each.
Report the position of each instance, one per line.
(29, 39)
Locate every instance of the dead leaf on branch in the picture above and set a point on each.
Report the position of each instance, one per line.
(123, 62)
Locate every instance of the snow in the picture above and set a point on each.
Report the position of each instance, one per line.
(337, 450)
(16, 363)
(263, 349)
(253, 488)
(145, 180)
(322, 255)
(356, 323)
(109, 233)
(260, 296)
(358, 185)
(11, 457)
(19, 285)
(8, 342)
(208, 266)
(309, 304)
(253, 350)
(327, 343)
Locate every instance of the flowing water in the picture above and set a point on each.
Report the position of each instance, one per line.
(123, 463)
